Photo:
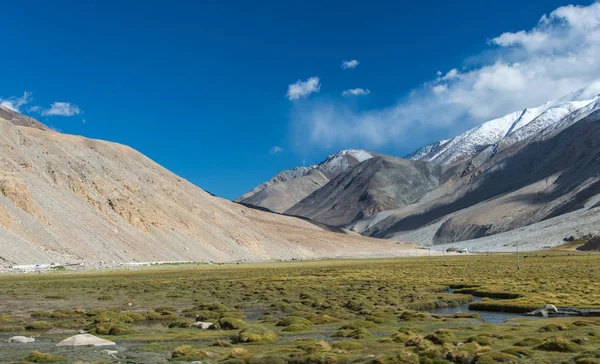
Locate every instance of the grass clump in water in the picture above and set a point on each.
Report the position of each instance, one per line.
(529, 341)
(348, 345)
(441, 337)
(257, 334)
(294, 320)
(552, 328)
(232, 323)
(39, 326)
(559, 344)
(39, 357)
(188, 353)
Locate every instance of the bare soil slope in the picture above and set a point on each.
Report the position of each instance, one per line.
(66, 198)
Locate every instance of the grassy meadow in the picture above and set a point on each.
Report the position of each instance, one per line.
(333, 311)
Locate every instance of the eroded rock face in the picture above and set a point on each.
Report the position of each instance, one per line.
(85, 340)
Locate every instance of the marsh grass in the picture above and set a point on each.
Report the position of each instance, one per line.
(366, 311)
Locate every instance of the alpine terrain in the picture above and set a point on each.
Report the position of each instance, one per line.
(68, 199)
(529, 177)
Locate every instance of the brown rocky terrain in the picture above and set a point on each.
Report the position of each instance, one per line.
(66, 198)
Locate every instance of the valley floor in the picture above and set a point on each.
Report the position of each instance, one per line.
(331, 311)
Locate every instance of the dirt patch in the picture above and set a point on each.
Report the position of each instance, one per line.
(18, 193)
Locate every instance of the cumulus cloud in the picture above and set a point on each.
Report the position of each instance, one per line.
(275, 149)
(356, 92)
(62, 109)
(349, 64)
(303, 88)
(519, 69)
(14, 103)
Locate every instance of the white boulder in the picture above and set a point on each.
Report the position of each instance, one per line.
(21, 339)
(85, 340)
(202, 325)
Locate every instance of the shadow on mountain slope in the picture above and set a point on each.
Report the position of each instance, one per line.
(574, 152)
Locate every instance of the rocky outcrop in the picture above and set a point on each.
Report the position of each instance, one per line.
(544, 311)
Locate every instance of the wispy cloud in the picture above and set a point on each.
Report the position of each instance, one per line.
(349, 64)
(303, 88)
(62, 109)
(14, 103)
(275, 149)
(356, 92)
(519, 69)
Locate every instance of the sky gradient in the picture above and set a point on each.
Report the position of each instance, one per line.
(226, 94)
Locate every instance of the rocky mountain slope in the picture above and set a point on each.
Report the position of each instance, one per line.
(289, 187)
(511, 175)
(66, 198)
(517, 125)
(378, 184)
(555, 174)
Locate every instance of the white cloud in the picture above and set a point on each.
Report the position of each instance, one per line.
(356, 92)
(523, 69)
(15, 103)
(34, 109)
(62, 109)
(275, 149)
(303, 88)
(452, 74)
(349, 64)
(439, 88)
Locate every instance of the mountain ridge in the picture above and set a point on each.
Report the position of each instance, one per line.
(467, 144)
(288, 187)
(68, 199)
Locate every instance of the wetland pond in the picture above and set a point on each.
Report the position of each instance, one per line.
(487, 316)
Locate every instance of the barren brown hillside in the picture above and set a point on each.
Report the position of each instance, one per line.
(66, 198)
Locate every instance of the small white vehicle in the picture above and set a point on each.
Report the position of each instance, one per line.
(463, 250)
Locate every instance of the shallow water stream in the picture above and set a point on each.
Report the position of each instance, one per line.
(487, 316)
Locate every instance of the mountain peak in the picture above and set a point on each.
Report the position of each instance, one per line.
(285, 188)
(471, 142)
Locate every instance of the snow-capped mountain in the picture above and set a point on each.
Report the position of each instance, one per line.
(342, 161)
(423, 151)
(290, 186)
(518, 125)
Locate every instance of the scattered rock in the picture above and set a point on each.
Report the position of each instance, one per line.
(21, 339)
(111, 353)
(202, 325)
(85, 340)
(544, 311)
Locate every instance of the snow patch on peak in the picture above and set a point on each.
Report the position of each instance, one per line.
(342, 161)
(333, 165)
(423, 151)
(515, 126)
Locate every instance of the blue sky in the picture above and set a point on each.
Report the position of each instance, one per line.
(201, 87)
